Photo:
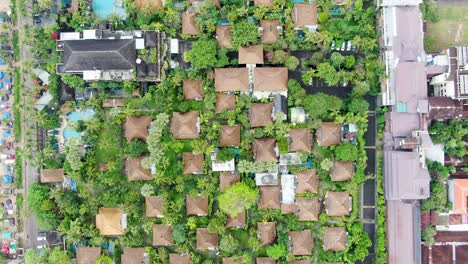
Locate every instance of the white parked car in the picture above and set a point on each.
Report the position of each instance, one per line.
(40, 247)
(41, 238)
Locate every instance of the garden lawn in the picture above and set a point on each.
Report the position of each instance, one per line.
(109, 143)
(450, 30)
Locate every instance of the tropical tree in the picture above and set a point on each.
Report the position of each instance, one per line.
(203, 54)
(74, 81)
(244, 33)
(237, 198)
(74, 153)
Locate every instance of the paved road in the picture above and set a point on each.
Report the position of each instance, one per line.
(29, 170)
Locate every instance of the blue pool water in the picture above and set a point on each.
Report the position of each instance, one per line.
(104, 8)
(70, 133)
(76, 116)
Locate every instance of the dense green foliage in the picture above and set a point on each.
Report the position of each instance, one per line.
(237, 199)
(452, 135)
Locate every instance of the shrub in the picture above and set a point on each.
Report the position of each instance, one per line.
(346, 151)
(328, 73)
(428, 235)
(203, 54)
(228, 244)
(438, 199)
(237, 198)
(225, 154)
(292, 63)
(244, 33)
(360, 89)
(337, 59)
(277, 251)
(358, 105)
(135, 148)
(319, 105)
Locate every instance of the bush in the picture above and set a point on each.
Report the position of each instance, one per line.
(237, 198)
(135, 148)
(438, 199)
(358, 105)
(292, 63)
(277, 251)
(337, 59)
(244, 33)
(203, 54)
(360, 89)
(319, 105)
(228, 244)
(225, 154)
(346, 151)
(428, 235)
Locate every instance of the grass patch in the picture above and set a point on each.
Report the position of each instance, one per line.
(109, 145)
(450, 30)
(19, 171)
(16, 103)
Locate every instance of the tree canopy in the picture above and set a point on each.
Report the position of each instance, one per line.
(237, 198)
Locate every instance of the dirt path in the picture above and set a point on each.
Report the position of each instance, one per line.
(459, 31)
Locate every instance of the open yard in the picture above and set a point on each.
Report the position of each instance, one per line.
(451, 29)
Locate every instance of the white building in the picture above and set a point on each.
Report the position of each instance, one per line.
(454, 82)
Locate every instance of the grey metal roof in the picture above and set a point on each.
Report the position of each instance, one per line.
(103, 54)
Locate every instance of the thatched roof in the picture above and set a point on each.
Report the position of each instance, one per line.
(196, 205)
(136, 127)
(264, 150)
(162, 235)
(266, 232)
(154, 206)
(237, 222)
(133, 255)
(179, 259)
(86, 255)
(301, 242)
(342, 170)
(301, 139)
(288, 208)
(335, 239)
(304, 15)
(193, 89)
(109, 222)
(307, 181)
(52, 175)
(328, 134)
(308, 209)
(227, 179)
(206, 240)
(232, 79)
(185, 125)
(267, 3)
(261, 114)
(225, 102)
(270, 31)
(271, 79)
(229, 136)
(251, 54)
(192, 163)
(135, 171)
(119, 102)
(270, 197)
(337, 203)
(224, 36)
(265, 261)
(189, 24)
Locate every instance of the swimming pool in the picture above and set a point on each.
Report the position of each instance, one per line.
(76, 116)
(104, 8)
(70, 133)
